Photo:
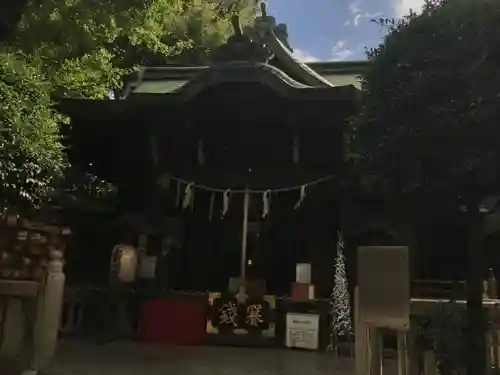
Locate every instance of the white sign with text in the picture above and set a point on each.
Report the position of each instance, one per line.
(302, 331)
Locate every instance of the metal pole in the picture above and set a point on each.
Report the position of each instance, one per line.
(244, 234)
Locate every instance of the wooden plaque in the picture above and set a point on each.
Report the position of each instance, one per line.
(384, 286)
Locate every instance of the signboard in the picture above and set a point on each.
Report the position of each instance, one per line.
(303, 273)
(147, 267)
(227, 315)
(302, 331)
(384, 286)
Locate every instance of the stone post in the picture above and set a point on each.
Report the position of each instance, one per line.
(49, 310)
(13, 327)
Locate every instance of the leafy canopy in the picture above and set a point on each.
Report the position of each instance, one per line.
(30, 151)
(82, 48)
(203, 25)
(431, 107)
(85, 46)
(73, 40)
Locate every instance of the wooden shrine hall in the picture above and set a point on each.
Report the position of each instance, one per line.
(185, 144)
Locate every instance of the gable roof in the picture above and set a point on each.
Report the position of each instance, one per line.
(263, 46)
(167, 79)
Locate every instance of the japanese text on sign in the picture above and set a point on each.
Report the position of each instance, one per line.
(254, 316)
(229, 314)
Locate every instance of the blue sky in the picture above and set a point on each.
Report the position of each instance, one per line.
(336, 29)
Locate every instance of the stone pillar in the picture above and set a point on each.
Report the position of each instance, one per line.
(49, 310)
(13, 327)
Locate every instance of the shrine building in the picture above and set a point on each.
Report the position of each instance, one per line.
(249, 147)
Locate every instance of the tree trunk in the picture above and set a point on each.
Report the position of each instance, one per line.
(475, 335)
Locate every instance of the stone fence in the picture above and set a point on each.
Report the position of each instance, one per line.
(30, 313)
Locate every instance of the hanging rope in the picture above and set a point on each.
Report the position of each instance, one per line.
(255, 191)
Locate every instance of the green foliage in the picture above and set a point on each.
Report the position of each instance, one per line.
(85, 46)
(192, 29)
(82, 48)
(429, 129)
(429, 121)
(10, 13)
(447, 333)
(80, 189)
(203, 25)
(30, 151)
(443, 332)
(74, 40)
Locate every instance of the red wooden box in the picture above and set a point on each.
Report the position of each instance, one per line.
(302, 291)
(174, 321)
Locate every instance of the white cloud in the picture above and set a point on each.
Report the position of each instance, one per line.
(304, 56)
(355, 10)
(402, 7)
(354, 7)
(341, 51)
(358, 15)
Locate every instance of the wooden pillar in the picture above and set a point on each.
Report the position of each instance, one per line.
(367, 345)
(199, 254)
(195, 257)
(322, 233)
(49, 311)
(360, 345)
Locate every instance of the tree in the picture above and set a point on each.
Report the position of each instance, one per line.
(31, 154)
(86, 46)
(428, 130)
(74, 41)
(10, 13)
(204, 25)
(53, 48)
(193, 28)
(83, 48)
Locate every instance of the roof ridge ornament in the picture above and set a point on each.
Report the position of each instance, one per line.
(241, 48)
(265, 25)
(263, 9)
(235, 21)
